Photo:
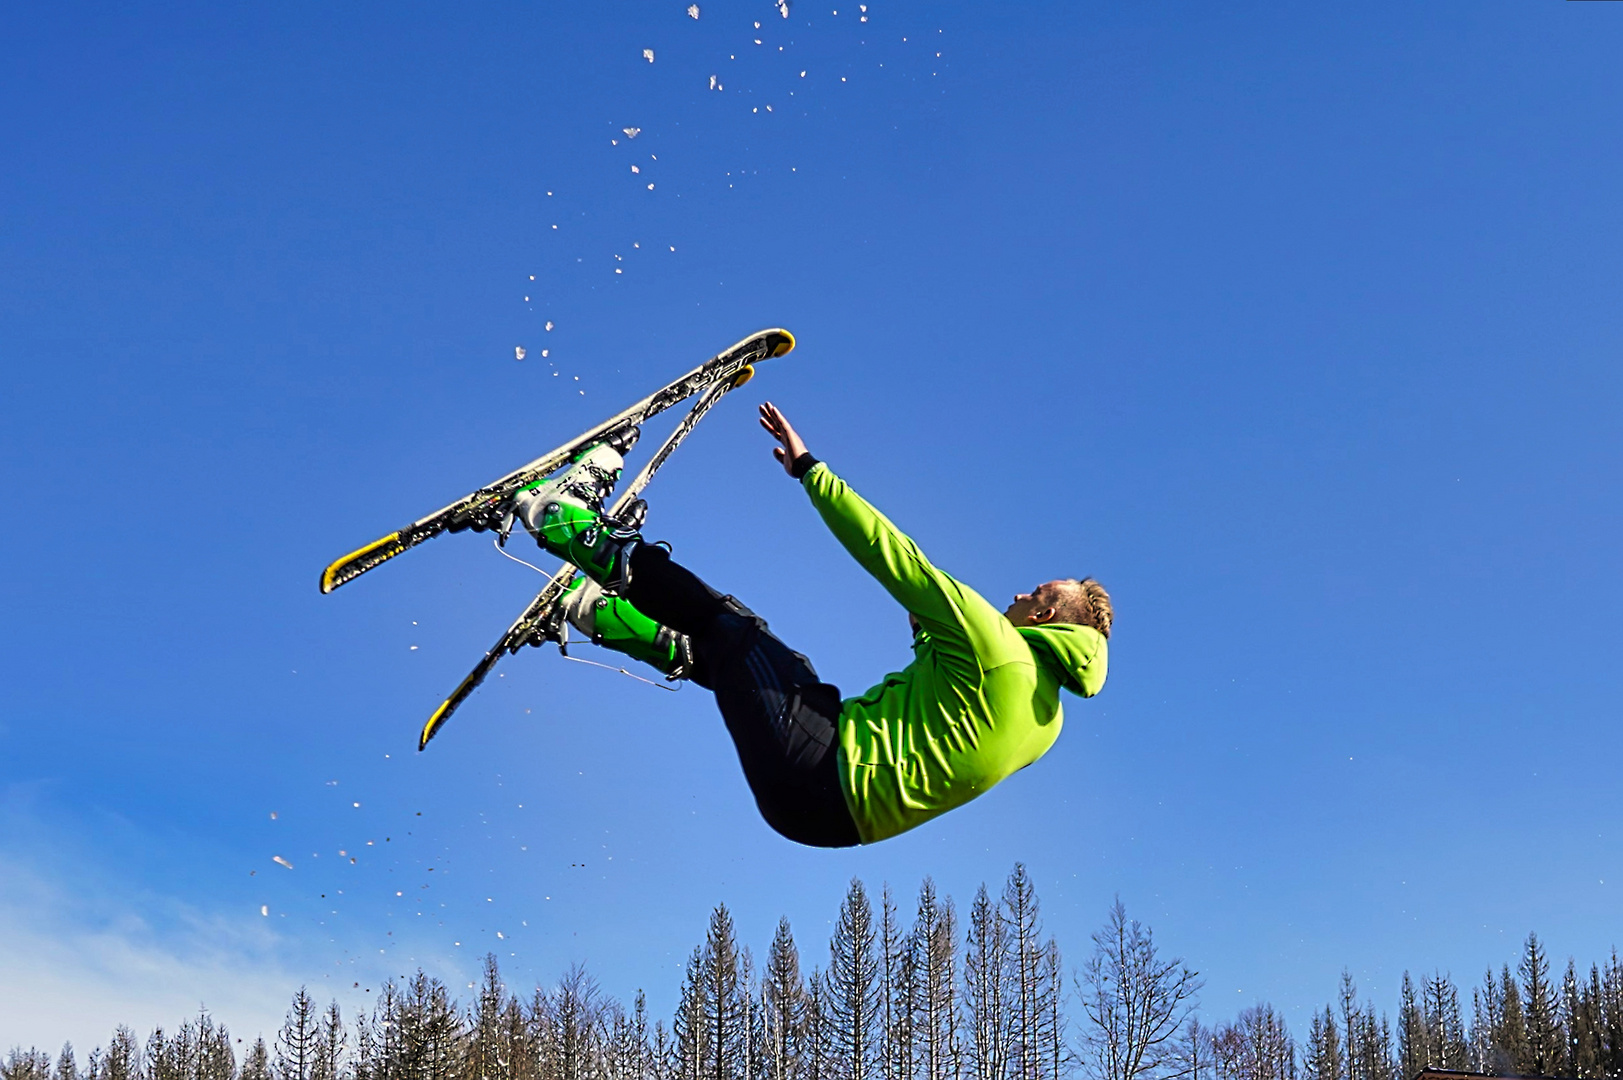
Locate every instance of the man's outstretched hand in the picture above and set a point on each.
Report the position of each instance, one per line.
(777, 425)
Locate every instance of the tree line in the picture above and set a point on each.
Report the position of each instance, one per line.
(939, 996)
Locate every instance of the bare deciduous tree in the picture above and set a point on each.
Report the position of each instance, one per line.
(1133, 1001)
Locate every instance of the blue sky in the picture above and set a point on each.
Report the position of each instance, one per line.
(1296, 326)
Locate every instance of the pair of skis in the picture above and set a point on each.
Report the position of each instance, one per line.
(487, 508)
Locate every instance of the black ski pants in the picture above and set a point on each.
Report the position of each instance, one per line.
(784, 722)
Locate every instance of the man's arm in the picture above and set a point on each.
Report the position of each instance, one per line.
(967, 631)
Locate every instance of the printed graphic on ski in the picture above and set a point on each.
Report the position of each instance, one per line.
(483, 509)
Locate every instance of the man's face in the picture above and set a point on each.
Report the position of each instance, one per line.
(1037, 606)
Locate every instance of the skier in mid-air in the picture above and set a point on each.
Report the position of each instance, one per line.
(979, 701)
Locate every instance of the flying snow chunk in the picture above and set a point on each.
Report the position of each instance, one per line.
(693, 11)
(518, 352)
(264, 909)
(549, 325)
(715, 84)
(632, 133)
(279, 861)
(783, 8)
(648, 55)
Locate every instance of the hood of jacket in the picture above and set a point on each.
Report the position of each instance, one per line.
(1076, 655)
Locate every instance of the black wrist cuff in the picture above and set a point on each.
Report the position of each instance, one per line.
(801, 466)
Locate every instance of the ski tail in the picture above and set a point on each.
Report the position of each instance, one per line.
(360, 561)
(464, 689)
(523, 630)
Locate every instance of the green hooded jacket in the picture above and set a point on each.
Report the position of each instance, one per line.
(980, 699)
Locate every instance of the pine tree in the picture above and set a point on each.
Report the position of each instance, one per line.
(170, 1058)
(934, 945)
(853, 988)
(749, 1001)
(896, 994)
(439, 1031)
(1020, 916)
(690, 1028)
(1412, 1035)
(490, 1048)
(986, 967)
(256, 1062)
(567, 1024)
(819, 1046)
(1352, 1018)
(783, 1007)
(1611, 1017)
(1375, 1048)
(1541, 1007)
(518, 1035)
(297, 1045)
(629, 1055)
(66, 1067)
(1322, 1057)
(722, 1001)
(332, 1041)
(123, 1058)
(1510, 1051)
(30, 1064)
(1445, 1029)
(1487, 1021)
(1367, 1052)
(215, 1058)
(1257, 1046)
(377, 1039)
(1580, 1022)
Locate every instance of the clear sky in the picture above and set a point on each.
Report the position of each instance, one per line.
(1297, 325)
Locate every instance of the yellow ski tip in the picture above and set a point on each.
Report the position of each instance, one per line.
(361, 560)
(432, 728)
(745, 374)
(785, 345)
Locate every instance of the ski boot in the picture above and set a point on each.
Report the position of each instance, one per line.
(611, 621)
(565, 514)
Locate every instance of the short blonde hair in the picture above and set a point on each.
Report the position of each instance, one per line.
(1086, 605)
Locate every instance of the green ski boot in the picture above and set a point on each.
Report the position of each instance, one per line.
(611, 621)
(565, 515)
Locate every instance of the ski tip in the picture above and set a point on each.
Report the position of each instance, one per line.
(358, 562)
(745, 374)
(432, 728)
(783, 347)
